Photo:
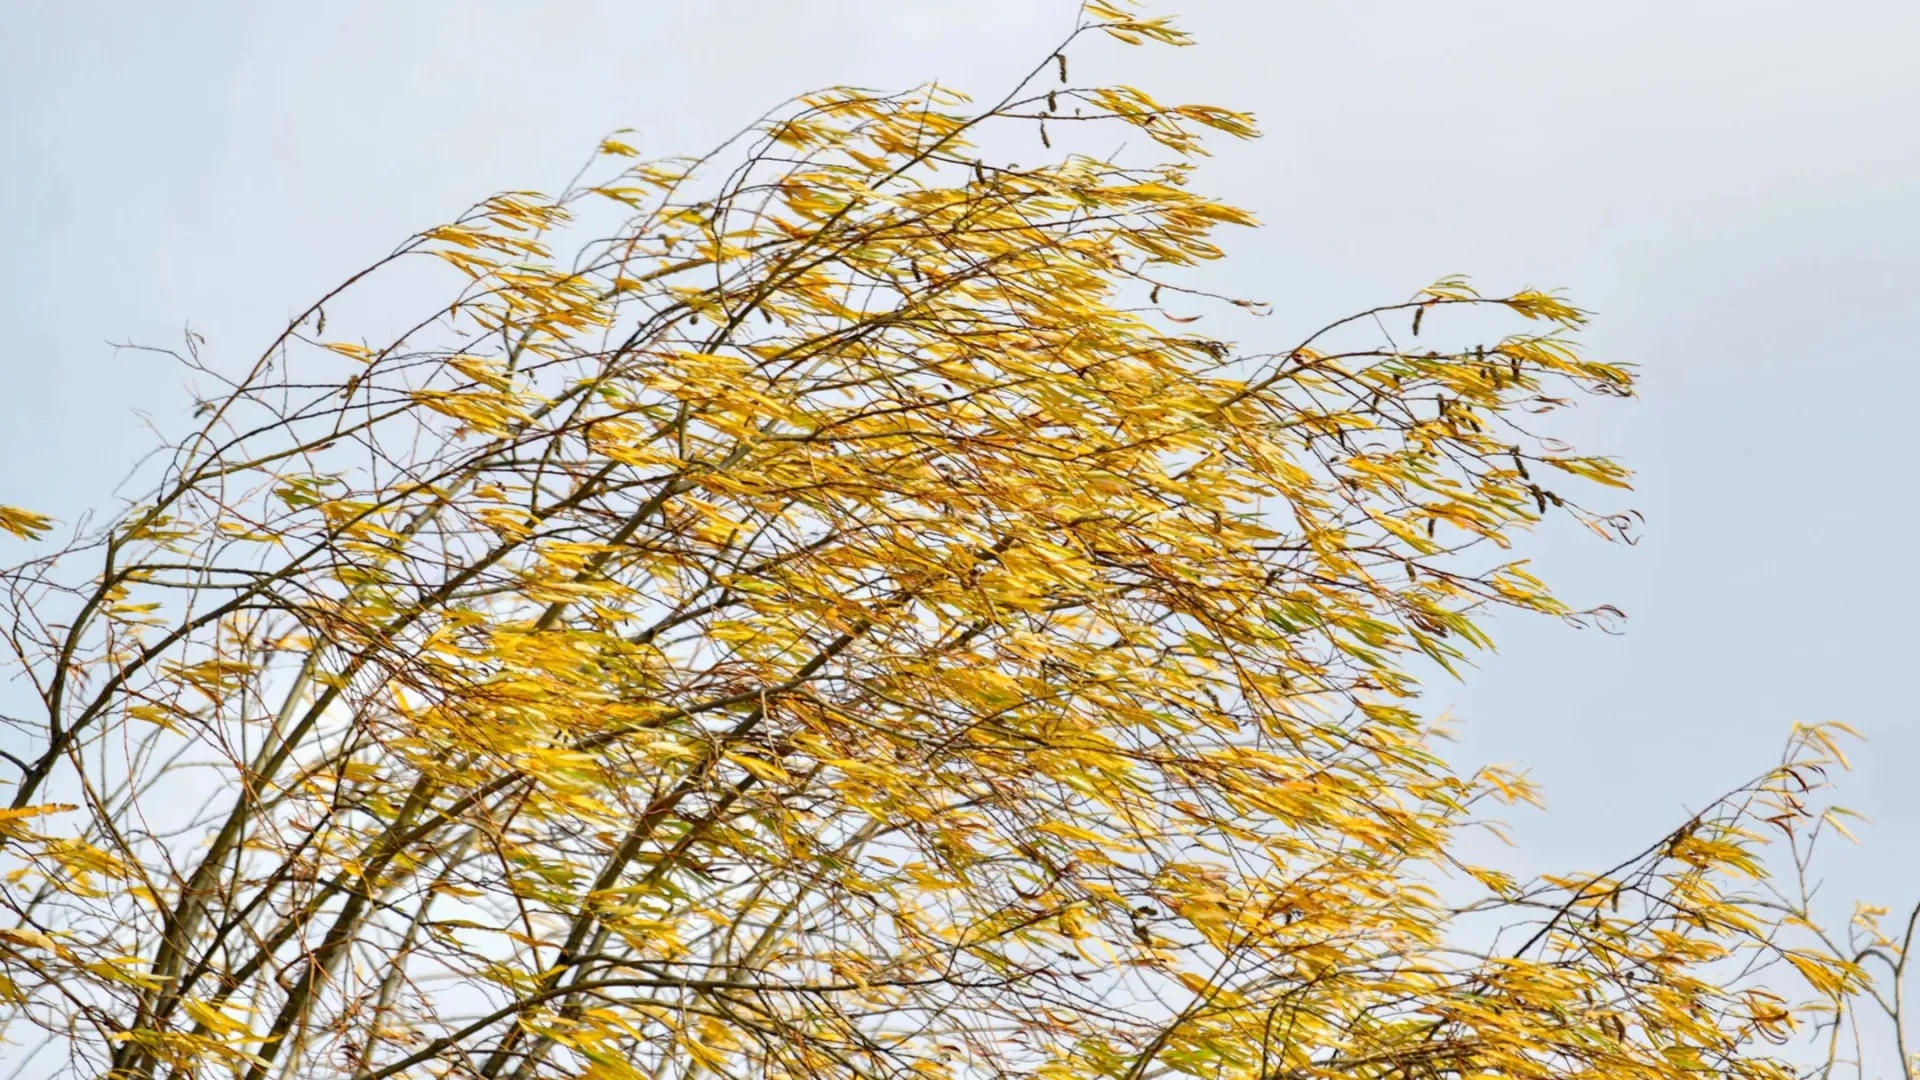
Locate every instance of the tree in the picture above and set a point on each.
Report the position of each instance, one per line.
(841, 623)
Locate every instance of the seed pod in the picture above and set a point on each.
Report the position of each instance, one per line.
(1520, 463)
(1062, 59)
(1539, 497)
(1044, 141)
(1053, 103)
(1154, 296)
(979, 172)
(1430, 524)
(1417, 313)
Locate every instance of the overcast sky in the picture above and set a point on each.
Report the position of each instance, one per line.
(1733, 186)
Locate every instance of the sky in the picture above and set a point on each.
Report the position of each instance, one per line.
(1733, 188)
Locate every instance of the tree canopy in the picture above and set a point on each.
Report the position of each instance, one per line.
(822, 609)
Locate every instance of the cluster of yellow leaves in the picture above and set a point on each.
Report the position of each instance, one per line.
(833, 627)
(24, 523)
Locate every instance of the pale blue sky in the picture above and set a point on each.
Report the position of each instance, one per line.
(1733, 186)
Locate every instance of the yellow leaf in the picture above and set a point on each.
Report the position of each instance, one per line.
(25, 935)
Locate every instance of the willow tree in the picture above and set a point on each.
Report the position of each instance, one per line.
(841, 620)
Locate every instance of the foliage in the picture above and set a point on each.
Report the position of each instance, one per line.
(841, 624)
